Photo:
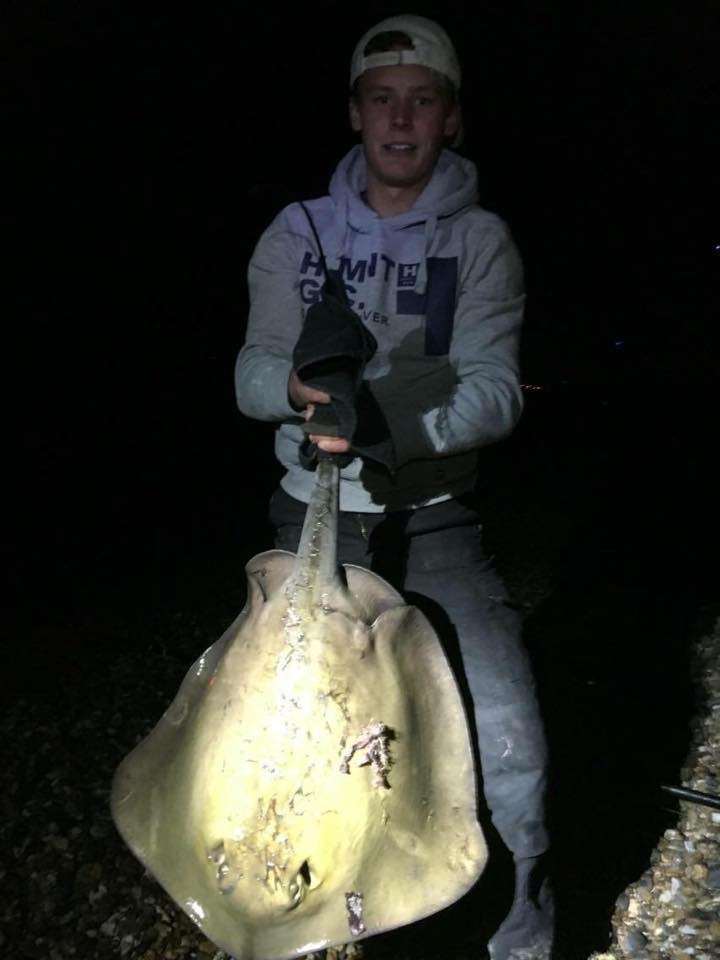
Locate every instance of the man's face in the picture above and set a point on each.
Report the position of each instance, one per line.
(404, 120)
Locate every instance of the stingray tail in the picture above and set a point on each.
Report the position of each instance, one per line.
(317, 552)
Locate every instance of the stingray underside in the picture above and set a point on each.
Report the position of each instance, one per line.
(312, 782)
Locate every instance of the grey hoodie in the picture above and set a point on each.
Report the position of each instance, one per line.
(440, 287)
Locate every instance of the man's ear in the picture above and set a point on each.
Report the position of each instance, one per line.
(453, 122)
(355, 121)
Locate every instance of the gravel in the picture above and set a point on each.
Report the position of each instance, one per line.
(73, 889)
(673, 909)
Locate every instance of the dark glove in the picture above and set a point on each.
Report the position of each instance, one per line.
(331, 353)
(372, 437)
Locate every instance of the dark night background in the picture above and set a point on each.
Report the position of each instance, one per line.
(149, 146)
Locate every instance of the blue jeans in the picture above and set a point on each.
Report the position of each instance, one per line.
(434, 556)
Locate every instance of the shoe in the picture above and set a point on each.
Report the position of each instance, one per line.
(527, 932)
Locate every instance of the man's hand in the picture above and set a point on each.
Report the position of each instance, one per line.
(328, 444)
(304, 398)
(301, 395)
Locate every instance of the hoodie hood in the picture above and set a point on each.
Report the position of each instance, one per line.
(452, 188)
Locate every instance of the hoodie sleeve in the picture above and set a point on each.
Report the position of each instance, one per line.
(265, 361)
(485, 401)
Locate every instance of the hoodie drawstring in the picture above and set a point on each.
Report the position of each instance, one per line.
(429, 233)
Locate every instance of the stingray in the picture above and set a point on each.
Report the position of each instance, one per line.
(312, 783)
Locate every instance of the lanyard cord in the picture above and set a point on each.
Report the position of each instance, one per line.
(334, 283)
(317, 240)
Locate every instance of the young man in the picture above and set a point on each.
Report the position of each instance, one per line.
(438, 281)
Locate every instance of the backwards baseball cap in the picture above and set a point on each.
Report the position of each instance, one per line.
(431, 47)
